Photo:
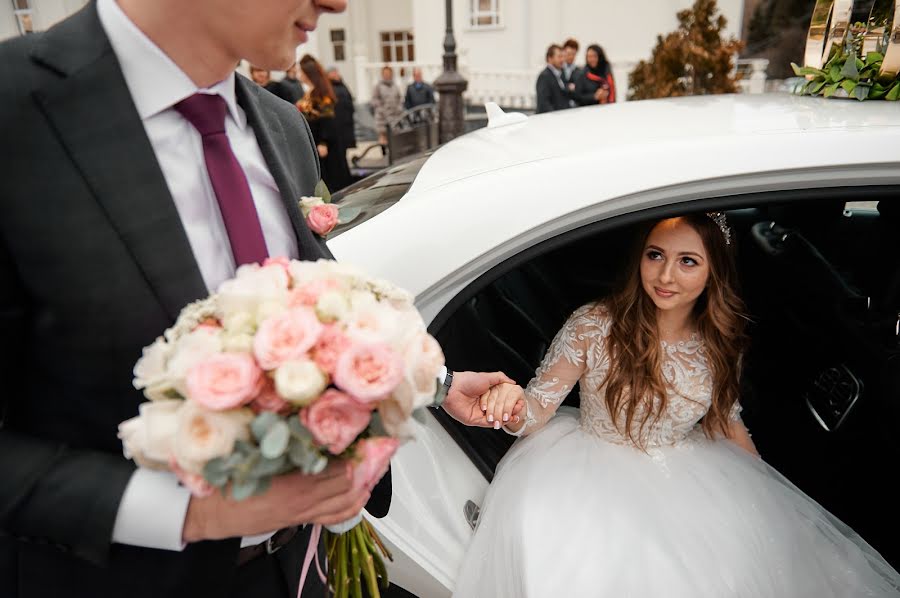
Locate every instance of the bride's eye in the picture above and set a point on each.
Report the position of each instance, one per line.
(654, 254)
(688, 261)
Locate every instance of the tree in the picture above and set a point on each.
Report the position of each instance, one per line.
(692, 60)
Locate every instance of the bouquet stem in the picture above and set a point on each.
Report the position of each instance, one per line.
(355, 556)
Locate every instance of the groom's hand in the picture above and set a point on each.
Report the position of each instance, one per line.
(463, 401)
(293, 499)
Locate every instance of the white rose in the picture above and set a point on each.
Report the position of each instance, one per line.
(396, 419)
(300, 382)
(375, 324)
(362, 300)
(202, 435)
(307, 203)
(237, 343)
(189, 350)
(239, 322)
(270, 307)
(331, 306)
(150, 371)
(252, 286)
(148, 438)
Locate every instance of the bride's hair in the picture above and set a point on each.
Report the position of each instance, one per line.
(635, 376)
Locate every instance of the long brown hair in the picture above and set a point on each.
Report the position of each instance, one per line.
(316, 74)
(635, 385)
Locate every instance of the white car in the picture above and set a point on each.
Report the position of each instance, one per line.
(502, 232)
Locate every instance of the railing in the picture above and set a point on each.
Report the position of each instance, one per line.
(516, 88)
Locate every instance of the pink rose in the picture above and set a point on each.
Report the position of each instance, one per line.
(268, 399)
(369, 372)
(335, 420)
(194, 482)
(224, 381)
(281, 261)
(308, 293)
(375, 456)
(322, 218)
(286, 337)
(332, 344)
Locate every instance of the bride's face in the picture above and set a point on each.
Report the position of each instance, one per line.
(674, 266)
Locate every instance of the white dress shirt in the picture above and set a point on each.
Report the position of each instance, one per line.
(153, 508)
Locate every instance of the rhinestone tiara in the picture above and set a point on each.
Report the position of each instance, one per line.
(722, 222)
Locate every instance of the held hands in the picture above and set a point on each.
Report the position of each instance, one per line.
(327, 498)
(502, 405)
(466, 396)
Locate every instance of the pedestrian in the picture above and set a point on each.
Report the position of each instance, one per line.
(345, 109)
(551, 90)
(595, 84)
(387, 103)
(418, 92)
(289, 88)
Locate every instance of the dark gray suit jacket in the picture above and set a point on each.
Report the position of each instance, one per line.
(549, 95)
(94, 264)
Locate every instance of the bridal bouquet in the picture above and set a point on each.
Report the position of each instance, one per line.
(289, 365)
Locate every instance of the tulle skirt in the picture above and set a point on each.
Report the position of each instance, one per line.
(570, 515)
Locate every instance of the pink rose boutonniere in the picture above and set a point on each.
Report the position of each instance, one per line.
(321, 215)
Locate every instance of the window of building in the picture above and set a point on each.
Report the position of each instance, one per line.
(337, 43)
(397, 46)
(22, 12)
(484, 13)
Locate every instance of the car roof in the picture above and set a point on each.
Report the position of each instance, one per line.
(655, 126)
(482, 197)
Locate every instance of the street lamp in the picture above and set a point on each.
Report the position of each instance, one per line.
(450, 85)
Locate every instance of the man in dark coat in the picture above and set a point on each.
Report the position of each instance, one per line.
(344, 109)
(551, 90)
(418, 92)
(289, 88)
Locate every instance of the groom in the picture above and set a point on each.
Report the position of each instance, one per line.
(139, 172)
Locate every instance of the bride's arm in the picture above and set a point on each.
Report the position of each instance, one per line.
(737, 432)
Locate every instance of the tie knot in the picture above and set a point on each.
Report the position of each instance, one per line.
(205, 111)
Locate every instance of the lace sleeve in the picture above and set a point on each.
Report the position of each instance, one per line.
(735, 413)
(562, 367)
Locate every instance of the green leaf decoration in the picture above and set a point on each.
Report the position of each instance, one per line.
(347, 214)
(829, 90)
(244, 489)
(796, 69)
(861, 91)
(877, 92)
(848, 85)
(894, 94)
(263, 422)
(815, 89)
(322, 191)
(275, 442)
(850, 71)
(298, 430)
(873, 57)
(834, 72)
(299, 453)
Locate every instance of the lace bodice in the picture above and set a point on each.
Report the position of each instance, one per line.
(579, 354)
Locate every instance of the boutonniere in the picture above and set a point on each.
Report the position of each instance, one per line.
(321, 215)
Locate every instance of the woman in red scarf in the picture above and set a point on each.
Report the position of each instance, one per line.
(595, 85)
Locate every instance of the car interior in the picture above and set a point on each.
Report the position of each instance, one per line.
(821, 380)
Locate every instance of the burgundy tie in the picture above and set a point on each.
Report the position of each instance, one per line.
(207, 113)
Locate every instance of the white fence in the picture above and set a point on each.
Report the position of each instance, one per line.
(515, 88)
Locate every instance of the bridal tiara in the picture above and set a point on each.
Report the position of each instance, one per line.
(722, 222)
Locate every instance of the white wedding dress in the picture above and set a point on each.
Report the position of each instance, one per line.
(576, 510)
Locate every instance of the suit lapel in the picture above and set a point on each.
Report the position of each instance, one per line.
(94, 116)
(273, 143)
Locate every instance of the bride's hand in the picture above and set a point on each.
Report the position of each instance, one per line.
(502, 404)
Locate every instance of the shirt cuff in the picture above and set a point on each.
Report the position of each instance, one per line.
(152, 511)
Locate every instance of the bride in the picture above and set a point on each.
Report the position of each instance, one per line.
(656, 489)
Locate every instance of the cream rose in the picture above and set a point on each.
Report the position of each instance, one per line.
(190, 350)
(151, 372)
(202, 435)
(307, 203)
(252, 286)
(300, 382)
(332, 306)
(286, 337)
(148, 438)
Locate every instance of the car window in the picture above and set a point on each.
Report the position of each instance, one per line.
(376, 193)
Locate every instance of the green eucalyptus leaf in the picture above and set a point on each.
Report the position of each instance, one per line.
(216, 473)
(244, 489)
(298, 430)
(275, 442)
(268, 467)
(262, 423)
(322, 191)
(243, 448)
(850, 71)
(347, 214)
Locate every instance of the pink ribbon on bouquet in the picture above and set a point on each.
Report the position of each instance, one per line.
(312, 552)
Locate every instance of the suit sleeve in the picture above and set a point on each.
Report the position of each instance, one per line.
(50, 494)
(543, 96)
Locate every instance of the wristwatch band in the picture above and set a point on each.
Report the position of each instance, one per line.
(443, 389)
